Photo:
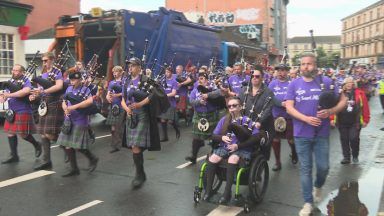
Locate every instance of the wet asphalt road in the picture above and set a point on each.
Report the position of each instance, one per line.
(168, 190)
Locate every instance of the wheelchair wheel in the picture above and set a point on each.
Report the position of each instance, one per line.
(258, 179)
(217, 181)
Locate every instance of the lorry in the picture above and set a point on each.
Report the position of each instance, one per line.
(116, 34)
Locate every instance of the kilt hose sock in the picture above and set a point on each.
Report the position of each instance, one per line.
(29, 138)
(140, 176)
(210, 173)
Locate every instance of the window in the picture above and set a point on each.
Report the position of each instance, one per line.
(371, 15)
(358, 20)
(365, 18)
(6, 53)
(378, 13)
(295, 47)
(305, 46)
(353, 22)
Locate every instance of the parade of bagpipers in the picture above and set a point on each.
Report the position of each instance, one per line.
(200, 107)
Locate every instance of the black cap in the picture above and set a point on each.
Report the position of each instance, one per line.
(135, 61)
(282, 67)
(75, 75)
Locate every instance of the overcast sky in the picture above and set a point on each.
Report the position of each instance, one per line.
(323, 16)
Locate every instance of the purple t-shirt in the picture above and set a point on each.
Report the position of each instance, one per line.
(195, 95)
(132, 86)
(279, 89)
(236, 82)
(76, 117)
(116, 100)
(171, 85)
(306, 98)
(220, 125)
(18, 105)
(58, 76)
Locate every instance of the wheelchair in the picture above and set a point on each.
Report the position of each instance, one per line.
(253, 173)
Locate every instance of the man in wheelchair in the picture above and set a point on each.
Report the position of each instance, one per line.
(235, 137)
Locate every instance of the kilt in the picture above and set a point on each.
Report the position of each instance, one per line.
(182, 104)
(212, 117)
(51, 123)
(288, 133)
(79, 138)
(170, 114)
(115, 120)
(222, 152)
(23, 124)
(139, 136)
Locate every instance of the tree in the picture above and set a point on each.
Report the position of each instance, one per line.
(324, 60)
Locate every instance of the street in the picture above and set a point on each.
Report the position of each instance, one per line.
(170, 182)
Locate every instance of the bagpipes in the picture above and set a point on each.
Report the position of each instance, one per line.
(91, 73)
(14, 85)
(327, 98)
(217, 77)
(149, 86)
(58, 65)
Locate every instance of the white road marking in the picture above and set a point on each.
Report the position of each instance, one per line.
(225, 211)
(80, 208)
(99, 137)
(189, 163)
(26, 177)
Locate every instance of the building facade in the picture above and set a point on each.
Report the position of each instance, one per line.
(298, 45)
(362, 39)
(46, 13)
(263, 20)
(13, 32)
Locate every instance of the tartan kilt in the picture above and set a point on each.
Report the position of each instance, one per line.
(170, 114)
(23, 124)
(115, 120)
(182, 104)
(212, 117)
(139, 136)
(79, 138)
(51, 123)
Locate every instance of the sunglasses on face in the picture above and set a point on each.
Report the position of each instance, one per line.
(45, 60)
(232, 105)
(256, 76)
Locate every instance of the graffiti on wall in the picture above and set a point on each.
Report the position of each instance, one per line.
(221, 17)
(252, 31)
(232, 17)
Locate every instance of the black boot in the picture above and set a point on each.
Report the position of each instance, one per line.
(93, 160)
(13, 157)
(210, 173)
(177, 130)
(196, 145)
(231, 171)
(72, 159)
(294, 157)
(46, 164)
(36, 145)
(164, 127)
(140, 174)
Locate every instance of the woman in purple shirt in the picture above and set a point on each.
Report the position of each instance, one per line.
(50, 123)
(116, 114)
(170, 87)
(78, 134)
(229, 147)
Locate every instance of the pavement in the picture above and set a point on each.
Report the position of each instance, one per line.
(168, 190)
